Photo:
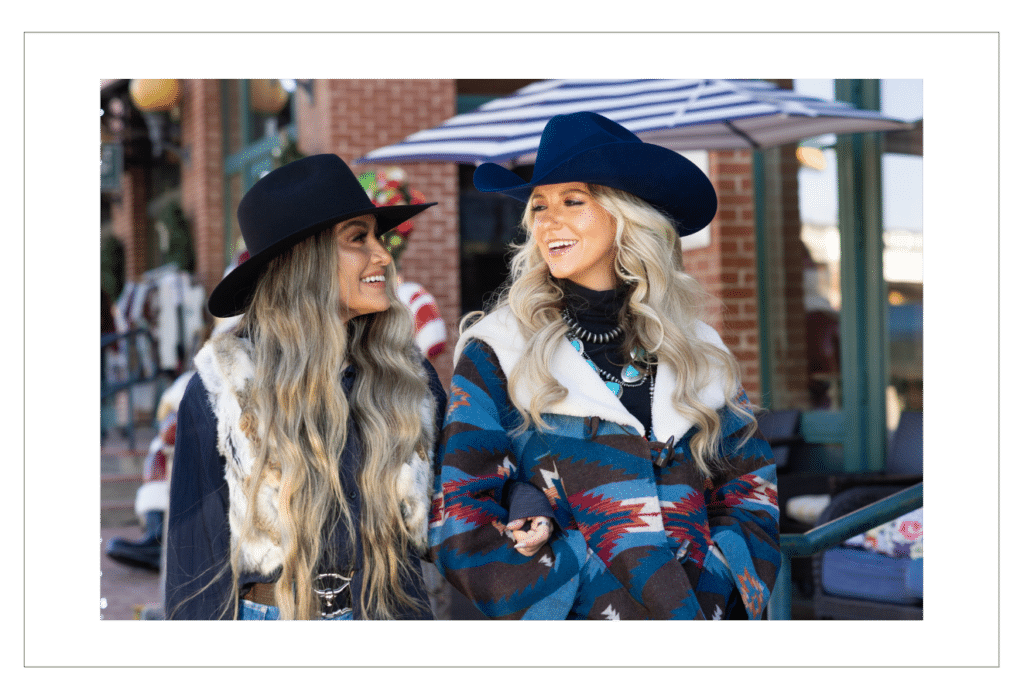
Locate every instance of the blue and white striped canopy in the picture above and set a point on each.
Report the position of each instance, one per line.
(678, 114)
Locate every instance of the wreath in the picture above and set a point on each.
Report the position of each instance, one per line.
(390, 187)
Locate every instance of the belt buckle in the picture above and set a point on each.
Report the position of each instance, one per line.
(328, 587)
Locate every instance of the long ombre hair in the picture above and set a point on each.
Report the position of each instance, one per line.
(662, 305)
(301, 344)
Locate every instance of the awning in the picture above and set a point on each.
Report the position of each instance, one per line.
(678, 114)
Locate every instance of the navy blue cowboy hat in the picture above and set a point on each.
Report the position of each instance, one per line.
(588, 148)
(290, 204)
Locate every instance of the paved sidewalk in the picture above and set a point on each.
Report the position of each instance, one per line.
(128, 591)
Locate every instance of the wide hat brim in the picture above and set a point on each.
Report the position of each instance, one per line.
(661, 177)
(290, 205)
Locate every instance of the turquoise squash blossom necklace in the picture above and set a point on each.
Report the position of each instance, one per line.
(631, 374)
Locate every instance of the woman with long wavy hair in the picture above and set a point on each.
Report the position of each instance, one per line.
(599, 457)
(301, 481)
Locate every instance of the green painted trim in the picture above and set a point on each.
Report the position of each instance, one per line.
(857, 522)
(865, 350)
(465, 103)
(251, 156)
(252, 160)
(822, 426)
(833, 533)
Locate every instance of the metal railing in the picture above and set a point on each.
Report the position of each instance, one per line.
(833, 533)
(140, 367)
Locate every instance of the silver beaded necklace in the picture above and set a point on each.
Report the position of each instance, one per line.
(577, 331)
(630, 376)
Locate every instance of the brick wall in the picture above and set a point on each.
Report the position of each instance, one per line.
(202, 177)
(346, 117)
(727, 268)
(352, 117)
(201, 189)
(784, 265)
(128, 221)
(784, 268)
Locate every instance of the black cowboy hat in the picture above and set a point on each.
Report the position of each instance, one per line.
(290, 204)
(588, 148)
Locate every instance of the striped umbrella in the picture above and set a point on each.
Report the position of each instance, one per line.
(678, 114)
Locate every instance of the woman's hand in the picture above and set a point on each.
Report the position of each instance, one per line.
(529, 542)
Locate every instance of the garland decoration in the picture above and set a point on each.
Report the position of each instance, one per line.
(390, 187)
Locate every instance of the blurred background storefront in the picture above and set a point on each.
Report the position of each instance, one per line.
(819, 278)
(814, 258)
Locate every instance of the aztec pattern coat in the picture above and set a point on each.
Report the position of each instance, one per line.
(635, 540)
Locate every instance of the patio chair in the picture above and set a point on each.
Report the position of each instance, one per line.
(781, 429)
(857, 583)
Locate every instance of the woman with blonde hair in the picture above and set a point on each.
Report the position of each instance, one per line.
(598, 458)
(303, 461)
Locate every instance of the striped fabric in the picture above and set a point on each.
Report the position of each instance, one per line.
(431, 333)
(677, 114)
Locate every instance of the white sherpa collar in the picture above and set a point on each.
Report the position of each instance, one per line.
(588, 396)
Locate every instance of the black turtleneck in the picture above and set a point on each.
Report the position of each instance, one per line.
(599, 312)
(596, 312)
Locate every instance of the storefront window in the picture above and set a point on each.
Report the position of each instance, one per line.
(489, 225)
(257, 117)
(902, 216)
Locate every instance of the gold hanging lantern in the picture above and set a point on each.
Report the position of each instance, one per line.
(267, 96)
(155, 94)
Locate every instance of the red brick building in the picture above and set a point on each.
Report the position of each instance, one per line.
(212, 153)
(205, 149)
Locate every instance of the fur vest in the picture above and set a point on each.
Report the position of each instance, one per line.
(226, 367)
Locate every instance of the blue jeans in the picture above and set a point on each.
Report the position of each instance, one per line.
(254, 611)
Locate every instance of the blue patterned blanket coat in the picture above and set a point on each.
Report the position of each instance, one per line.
(634, 540)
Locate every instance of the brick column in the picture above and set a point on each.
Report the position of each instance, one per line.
(727, 268)
(202, 177)
(784, 268)
(128, 221)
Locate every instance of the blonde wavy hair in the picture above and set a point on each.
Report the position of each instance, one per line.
(302, 343)
(662, 304)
